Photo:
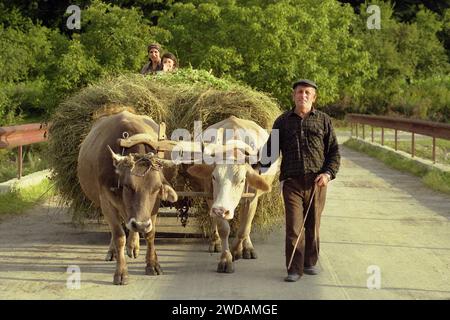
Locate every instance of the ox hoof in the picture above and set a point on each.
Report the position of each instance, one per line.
(237, 255)
(225, 267)
(133, 252)
(153, 270)
(110, 256)
(121, 278)
(249, 253)
(215, 247)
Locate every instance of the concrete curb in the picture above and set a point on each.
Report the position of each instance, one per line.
(26, 181)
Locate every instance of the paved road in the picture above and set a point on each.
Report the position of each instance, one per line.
(376, 219)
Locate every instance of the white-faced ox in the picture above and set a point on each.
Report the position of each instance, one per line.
(228, 182)
(128, 187)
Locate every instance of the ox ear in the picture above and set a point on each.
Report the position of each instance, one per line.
(203, 171)
(257, 181)
(167, 193)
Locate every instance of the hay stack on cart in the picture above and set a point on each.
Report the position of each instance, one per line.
(178, 99)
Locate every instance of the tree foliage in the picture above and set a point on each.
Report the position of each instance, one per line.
(40, 66)
(401, 68)
(269, 44)
(404, 54)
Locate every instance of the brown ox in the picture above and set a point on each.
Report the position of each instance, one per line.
(127, 188)
(228, 181)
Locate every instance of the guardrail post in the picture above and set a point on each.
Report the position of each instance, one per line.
(364, 133)
(351, 130)
(434, 149)
(396, 146)
(19, 162)
(434, 130)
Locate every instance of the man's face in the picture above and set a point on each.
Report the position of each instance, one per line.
(153, 54)
(304, 97)
(168, 64)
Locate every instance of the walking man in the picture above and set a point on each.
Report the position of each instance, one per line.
(310, 160)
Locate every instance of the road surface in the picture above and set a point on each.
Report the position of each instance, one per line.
(381, 229)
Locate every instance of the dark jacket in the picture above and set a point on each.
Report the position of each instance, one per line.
(307, 145)
(147, 68)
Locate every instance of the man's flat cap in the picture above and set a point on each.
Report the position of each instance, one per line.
(305, 82)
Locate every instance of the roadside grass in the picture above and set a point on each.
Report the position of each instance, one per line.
(433, 178)
(34, 159)
(20, 200)
(424, 149)
(340, 124)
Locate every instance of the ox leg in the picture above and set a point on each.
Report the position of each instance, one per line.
(226, 260)
(118, 239)
(121, 274)
(111, 254)
(152, 268)
(242, 245)
(133, 245)
(215, 244)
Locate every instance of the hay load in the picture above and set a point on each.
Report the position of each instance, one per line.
(178, 99)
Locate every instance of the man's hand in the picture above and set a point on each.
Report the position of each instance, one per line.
(322, 179)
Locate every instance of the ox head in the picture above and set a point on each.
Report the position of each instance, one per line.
(142, 182)
(228, 182)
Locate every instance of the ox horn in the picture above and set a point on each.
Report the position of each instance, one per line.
(116, 157)
(214, 148)
(167, 163)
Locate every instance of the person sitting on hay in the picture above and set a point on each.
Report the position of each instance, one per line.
(154, 64)
(169, 62)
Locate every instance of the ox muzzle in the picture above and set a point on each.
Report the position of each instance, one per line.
(140, 226)
(221, 212)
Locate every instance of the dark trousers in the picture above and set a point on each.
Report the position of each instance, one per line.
(297, 193)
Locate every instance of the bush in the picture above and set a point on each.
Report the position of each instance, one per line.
(425, 99)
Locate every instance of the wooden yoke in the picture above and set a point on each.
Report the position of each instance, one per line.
(162, 136)
(162, 145)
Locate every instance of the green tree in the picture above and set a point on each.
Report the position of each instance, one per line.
(270, 44)
(24, 50)
(403, 53)
(39, 66)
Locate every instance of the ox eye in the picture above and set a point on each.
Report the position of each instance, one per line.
(214, 178)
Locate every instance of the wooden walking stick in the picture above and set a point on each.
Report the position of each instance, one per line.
(303, 226)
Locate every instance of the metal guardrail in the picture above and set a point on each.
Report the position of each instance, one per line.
(427, 128)
(21, 135)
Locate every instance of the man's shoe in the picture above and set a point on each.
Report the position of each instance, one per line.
(292, 277)
(313, 270)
